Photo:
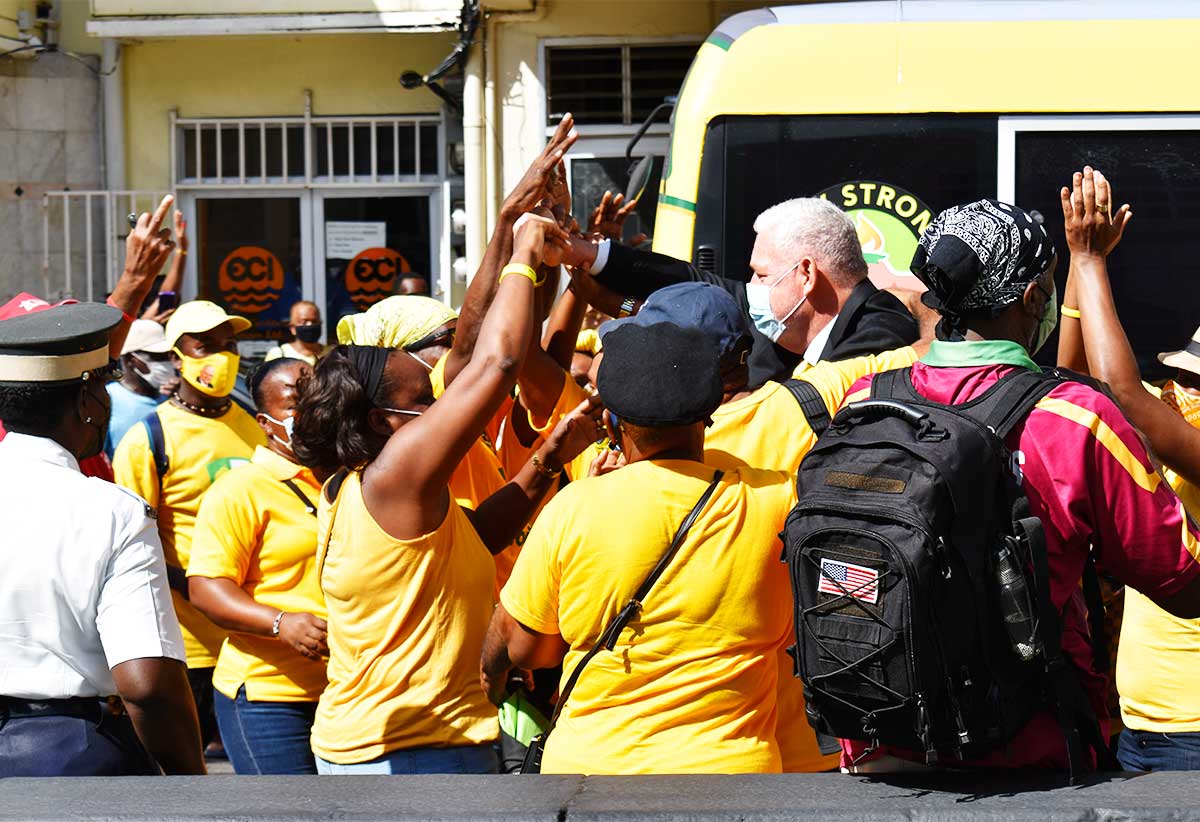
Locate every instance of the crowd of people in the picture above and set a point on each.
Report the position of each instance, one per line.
(544, 533)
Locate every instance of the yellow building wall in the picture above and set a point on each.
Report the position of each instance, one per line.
(8, 19)
(264, 76)
(521, 130)
(124, 8)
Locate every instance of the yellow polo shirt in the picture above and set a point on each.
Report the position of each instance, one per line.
(1157, 673)
(406, 626)
(254, 530)
(199, 449)
(690, 686)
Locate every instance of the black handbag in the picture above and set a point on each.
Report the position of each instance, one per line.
(608, 639)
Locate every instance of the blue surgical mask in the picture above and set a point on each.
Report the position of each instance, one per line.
(761, 313)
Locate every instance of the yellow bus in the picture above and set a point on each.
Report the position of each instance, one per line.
(895, 110)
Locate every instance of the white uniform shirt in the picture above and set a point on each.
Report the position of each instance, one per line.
(83, 584)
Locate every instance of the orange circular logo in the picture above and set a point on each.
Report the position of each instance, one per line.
(250, 279)
(372, 274)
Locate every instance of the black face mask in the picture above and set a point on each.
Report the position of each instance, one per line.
(308, 333)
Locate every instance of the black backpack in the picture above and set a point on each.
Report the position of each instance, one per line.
(907, 510)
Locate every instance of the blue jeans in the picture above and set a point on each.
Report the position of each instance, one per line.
(266, 737)
(1151, 751)
(467, 759)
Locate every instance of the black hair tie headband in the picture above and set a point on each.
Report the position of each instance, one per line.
(369, 361)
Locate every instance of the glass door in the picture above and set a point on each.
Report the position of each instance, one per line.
(365, 244)
(248, 257)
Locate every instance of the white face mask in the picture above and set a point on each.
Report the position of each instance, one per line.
(1049, 320)
(428, 367)
(761, 313)
(287, 425)
(160, 372)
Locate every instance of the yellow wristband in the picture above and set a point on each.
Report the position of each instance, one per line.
(1073, 313)
(521, 269)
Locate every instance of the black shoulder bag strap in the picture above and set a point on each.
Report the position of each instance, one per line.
(608, 639)
(295, 489)
(811, 404)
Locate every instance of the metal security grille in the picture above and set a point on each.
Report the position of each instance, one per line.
(306, 152)
(92, 227)
(613, 85)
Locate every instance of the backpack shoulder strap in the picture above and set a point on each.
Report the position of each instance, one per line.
(894, 385)
(1011, 399)
(158, 444)
(811, 404)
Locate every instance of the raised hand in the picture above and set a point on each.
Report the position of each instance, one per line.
(181, 239)
(608, 218)
(149, 244)
(1090, 224)
(540, 238)
(531, 189)
(574, 433)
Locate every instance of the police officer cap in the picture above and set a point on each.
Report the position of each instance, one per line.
(659, 375)
(60, 344)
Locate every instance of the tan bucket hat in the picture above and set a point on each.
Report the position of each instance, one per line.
(1187, 359)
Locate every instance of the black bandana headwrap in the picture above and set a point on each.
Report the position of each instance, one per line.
(979, 255)
(369, 361)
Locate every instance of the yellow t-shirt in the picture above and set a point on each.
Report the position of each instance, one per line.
(252, 529)
(406, 626)
(691, 684)
(767, 430)
(199, 449)
(1157, 675)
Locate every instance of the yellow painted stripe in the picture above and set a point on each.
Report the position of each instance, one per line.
(1189, 539)
(1146, 478)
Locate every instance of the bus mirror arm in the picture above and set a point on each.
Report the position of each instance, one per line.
(668, 104)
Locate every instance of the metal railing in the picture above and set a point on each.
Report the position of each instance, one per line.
(306, 152)
(83, 217)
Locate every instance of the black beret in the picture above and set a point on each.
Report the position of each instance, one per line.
(659, 375)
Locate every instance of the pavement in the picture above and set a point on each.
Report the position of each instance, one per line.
(757, 798)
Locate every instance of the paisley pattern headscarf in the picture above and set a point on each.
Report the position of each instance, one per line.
(979, 255)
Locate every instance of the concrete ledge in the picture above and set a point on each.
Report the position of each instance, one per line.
(1174, 796)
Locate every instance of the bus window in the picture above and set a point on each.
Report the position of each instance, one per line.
(1156, 268)
(897, 170)
(592, 176)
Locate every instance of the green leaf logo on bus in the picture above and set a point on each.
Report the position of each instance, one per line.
(889, 220)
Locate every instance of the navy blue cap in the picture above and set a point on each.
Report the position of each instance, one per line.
(702, 307)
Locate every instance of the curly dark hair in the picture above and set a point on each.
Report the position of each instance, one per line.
(331, 430)
(36, 408)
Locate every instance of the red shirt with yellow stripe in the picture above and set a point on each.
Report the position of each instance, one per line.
(1089, 479)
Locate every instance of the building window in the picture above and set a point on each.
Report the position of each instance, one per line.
(613, 85)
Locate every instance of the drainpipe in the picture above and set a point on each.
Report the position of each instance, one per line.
(492, 136)
(473, 170)
(113, 114)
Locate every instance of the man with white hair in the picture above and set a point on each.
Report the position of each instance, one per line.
(808, 297)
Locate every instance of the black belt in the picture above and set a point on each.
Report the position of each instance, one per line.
(89, 708)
